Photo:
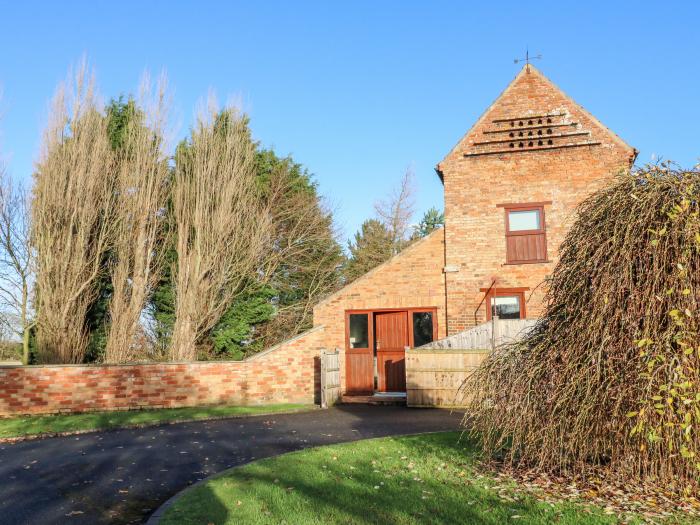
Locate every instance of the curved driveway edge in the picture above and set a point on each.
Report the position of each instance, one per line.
(122, 476)
(129, 426)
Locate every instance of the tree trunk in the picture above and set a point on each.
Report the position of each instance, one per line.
(25, 346)
(184, 340)
(25, 325)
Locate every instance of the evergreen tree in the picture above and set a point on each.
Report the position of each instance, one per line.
(237, 333)
(306, 265)
(372, 245)
(432, 220)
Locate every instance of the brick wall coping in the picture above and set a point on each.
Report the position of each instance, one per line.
(116, 365)
(257, 356)
(253, 357)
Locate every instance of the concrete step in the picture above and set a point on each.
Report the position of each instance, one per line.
(382, 398)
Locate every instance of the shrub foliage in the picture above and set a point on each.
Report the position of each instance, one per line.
(611, 374)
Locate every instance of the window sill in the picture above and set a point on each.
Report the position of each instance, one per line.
(527, 262)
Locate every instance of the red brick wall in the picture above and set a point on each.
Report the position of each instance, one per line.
(287, 373)
(413, 278)
(474, 185)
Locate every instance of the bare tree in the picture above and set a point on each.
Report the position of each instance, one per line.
(305, 247)
(16, 260)
(396, 210)
(222, 226)
(72, 226)
(142, 192)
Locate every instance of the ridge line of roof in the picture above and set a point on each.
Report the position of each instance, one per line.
(406, 250)
(527, 69)
(478, 120)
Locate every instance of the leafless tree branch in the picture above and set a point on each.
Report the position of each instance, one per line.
(142, 192)
(16, 259)
(72, 214)
(221, 225)
(396, 210)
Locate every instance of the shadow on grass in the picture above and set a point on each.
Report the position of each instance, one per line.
(37, 425)
(426, 479)
(217, 511)
(123, 476)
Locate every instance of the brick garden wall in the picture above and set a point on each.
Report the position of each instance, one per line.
(286, 373)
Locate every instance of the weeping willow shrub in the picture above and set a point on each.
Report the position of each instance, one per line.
(610, 376)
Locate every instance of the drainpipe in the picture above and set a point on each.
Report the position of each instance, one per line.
(494, 325)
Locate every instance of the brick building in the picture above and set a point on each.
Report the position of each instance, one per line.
(511, 185)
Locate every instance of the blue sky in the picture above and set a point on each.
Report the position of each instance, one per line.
(358, 91)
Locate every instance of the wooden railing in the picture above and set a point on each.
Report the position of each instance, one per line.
(483, 299)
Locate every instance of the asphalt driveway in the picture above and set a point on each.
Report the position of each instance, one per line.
(122, 476)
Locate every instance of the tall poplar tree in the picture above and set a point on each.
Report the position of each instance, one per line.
(302, 264)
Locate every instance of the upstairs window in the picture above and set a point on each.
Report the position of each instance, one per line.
(524, 220)
(526, 238)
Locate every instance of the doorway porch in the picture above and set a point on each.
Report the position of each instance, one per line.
(375, 348)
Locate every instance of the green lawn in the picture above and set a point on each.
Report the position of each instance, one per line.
(406, 480)
(32, 425)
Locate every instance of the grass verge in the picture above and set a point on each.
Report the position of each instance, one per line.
(32, 426)
(428, 478)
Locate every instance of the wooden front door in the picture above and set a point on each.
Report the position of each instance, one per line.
(391, 341)
(359, 361)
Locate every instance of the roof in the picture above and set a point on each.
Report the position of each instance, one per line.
(406, 252)
(532, 114)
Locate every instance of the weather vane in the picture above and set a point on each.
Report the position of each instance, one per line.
(527, 59)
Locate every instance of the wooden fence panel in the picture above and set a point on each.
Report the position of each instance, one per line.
(434, 377)
(486, 335)
(435, 373)
(330, 377)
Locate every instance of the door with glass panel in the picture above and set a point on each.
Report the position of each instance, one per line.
(359, 353)
(375, 346)
(394, 331)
